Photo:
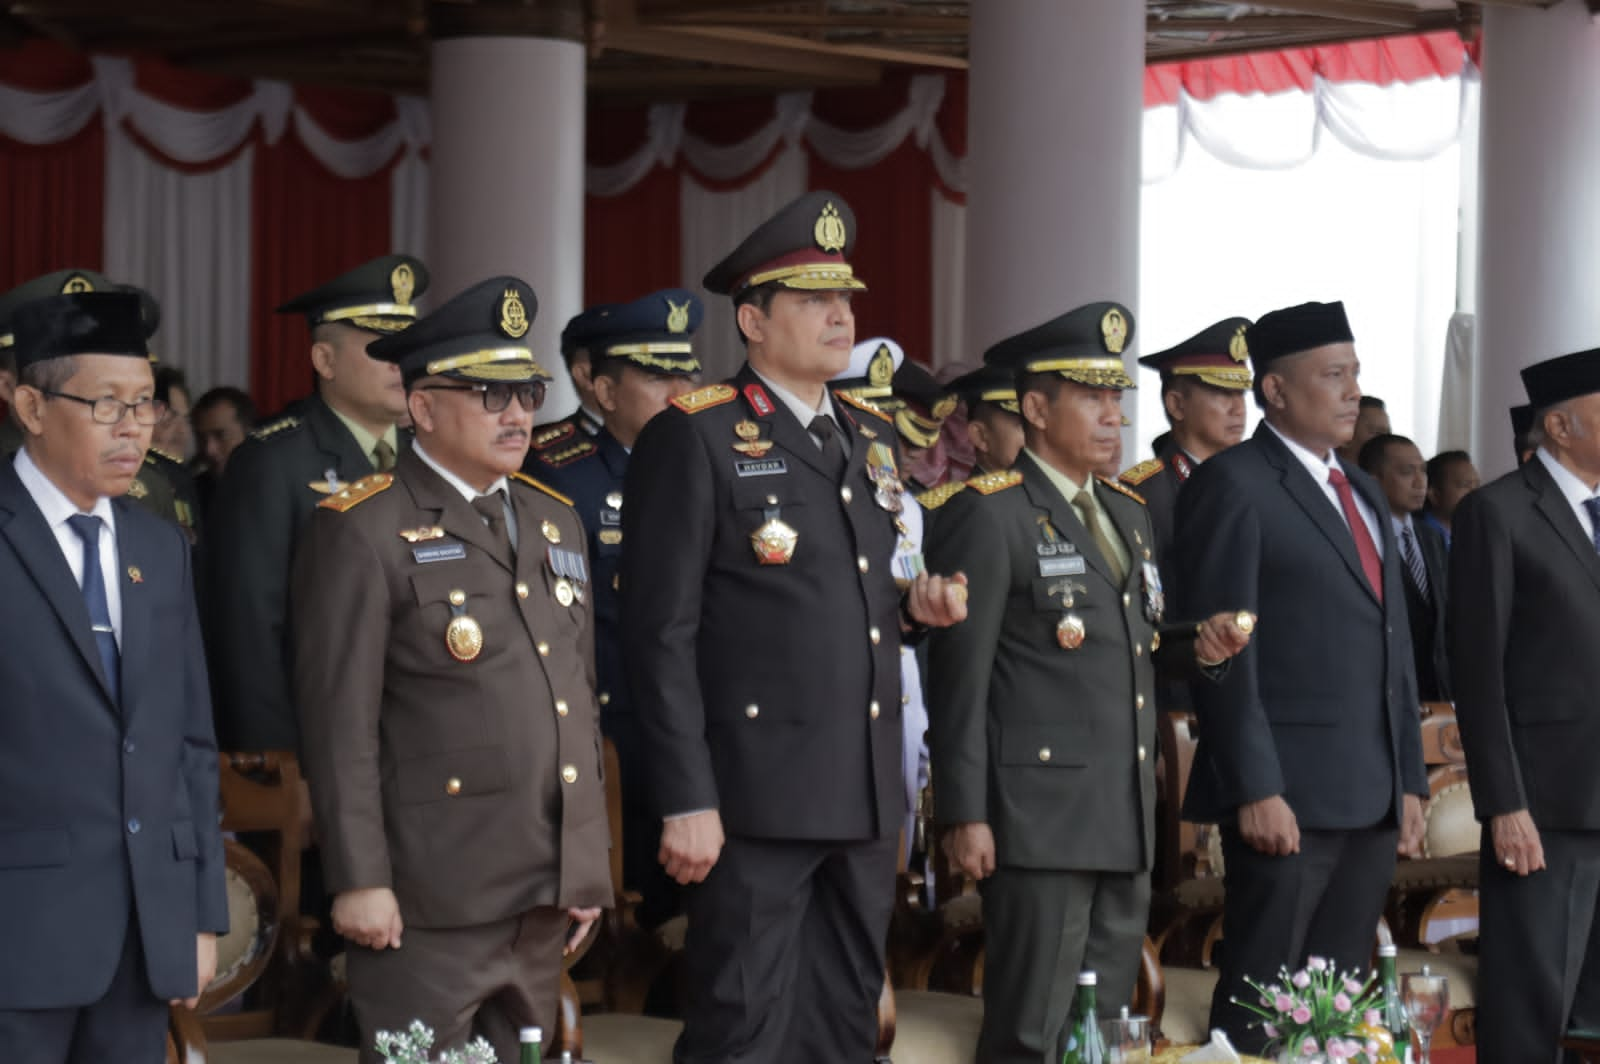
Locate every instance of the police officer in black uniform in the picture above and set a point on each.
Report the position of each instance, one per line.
(763, 627)
(642, 357)
(275, 479)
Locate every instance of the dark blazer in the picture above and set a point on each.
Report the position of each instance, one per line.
(1045, 745)
(1322, 706)
(263, 502)
(770, 692)
(1524, 625)
(472, 788)
(109, 810)
(1157, 481)
(1427, 614)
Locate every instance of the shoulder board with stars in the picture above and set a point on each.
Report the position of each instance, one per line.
(864, 404)
(550, 435)
(159, 453)
(360, 491)
(934, 498)
(990, 483)
(552, 492)
(273, 428)
(567, 455)
(1120, 489)
(705, 398)
(1142, 472)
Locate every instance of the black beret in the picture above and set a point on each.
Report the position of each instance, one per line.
(1295, 329)
(475, 336)
(79, 323)
(1083, 345)
(805, 245)
(1521, 419)
(376, 296)
(1217, 355)
(1557, 379)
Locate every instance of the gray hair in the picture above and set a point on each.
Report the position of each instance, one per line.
(50, 375)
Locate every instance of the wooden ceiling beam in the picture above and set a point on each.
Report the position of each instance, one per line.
(1370, 12)
(691, 81)
(782, 20)
(769, 52)
(737, 41)
(244, 47)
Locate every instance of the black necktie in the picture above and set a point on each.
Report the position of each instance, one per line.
(493, 508)
(87, 526)
(823, 428)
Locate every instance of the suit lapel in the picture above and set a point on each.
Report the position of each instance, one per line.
(1554, 507)
(1044, 496)
(23, 526)
(453, 513)
(135, 646)
(1308, 495)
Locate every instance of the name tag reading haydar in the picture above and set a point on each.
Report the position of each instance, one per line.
(761, 467)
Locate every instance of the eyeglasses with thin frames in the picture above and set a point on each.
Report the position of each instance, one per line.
(108, 410)
(497, 396)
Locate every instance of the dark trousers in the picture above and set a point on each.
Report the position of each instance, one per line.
(127, 1024)
(1324, 901)
(785, 953)
(1538, 950)
(461, 982)
(1041, 928)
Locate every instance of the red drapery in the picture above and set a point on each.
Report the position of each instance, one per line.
(52, 206)
(631, 241)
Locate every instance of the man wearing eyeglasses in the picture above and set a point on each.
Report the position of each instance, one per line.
(111, 868)
(442, 640)
(344, 431)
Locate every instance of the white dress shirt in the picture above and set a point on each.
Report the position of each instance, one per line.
(1573, 489)
(56, 508)
(468, 492)
(1318, 466)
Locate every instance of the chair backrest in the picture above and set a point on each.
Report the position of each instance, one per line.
(1189, 850)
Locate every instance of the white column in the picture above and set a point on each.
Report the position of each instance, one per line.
(1056, 93)
(506, 179)
(1538, 275)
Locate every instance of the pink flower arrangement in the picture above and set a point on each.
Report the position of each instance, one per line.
(1318, 1012)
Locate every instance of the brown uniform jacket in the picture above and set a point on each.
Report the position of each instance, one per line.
(472, 788)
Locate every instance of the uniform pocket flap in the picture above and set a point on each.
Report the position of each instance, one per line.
(37, 848)
(1045, 745)
(450, 776)
(758, 493)
(184, 846)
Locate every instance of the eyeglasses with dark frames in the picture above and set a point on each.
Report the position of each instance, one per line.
(108, 410)
(497, 396)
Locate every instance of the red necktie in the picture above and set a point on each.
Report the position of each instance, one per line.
(1365, 548)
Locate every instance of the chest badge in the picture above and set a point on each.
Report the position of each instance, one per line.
(775, 540)
(463, 636)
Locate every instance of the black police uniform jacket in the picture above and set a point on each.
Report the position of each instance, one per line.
(768, 692)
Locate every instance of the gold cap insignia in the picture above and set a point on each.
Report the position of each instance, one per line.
(829, 231)
(513, 315)
(1114, 327)
(137, 490)
(677, 317)
(944, 407)
(880, 369)
(403, 281)
(1238, 350)
(77, 283)
(136, 576)
(747, 430)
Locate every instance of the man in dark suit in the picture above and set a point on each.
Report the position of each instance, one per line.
(642, 357)
(343, 432)
(1042, 702)
(1397, 465)
(1203, 385)
(1310, 754)
(111, 879)
(763, 627)
(1524, 622)
(443, 642)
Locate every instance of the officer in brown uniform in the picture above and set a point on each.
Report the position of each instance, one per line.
(443, 650)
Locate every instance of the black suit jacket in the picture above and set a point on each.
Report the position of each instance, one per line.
(1427, 615)
(108, 809)
(1524, 625)
(263, 502)
(770, 692)
(1321, 707)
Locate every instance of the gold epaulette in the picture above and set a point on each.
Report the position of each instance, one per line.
(552, 492)
(705, 398)
(1120, 489)
(552, 434)
(360, 491)
(864, 404)
(1142, 472)
(272, 428)
(568, 455)
(990, 483)
(159, 453)
(934, 498)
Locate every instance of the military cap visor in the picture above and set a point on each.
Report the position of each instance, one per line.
(652, 332)
(78, 323)
(923, 404)
(376, 296)
(805, 246)
(988, 384)
(1084, 346)
(50, 284)
(476, 336)
(1218, 356)
(1556, 380)
(1294, 330)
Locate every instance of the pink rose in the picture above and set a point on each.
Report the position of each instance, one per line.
(1351, 986)
(1308, 1048)
(1338, 1050)
(1284, 1003)
(1269, 1030)
(1301, 980)
(1341, 1003)
(1301, 1015)
(1317, 964)
(1373, 1048)
(1372, 1018)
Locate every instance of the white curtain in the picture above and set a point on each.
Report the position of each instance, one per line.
(186, 238)
(949, 221)
(1457, 405)
(713, 224)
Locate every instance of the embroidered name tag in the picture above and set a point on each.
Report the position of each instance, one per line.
(1068, 565)
(439, 552)
(763, 467)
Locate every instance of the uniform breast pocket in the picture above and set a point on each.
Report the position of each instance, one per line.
(773, 517)
(1054, 594)
(450, 776)
(450, 601)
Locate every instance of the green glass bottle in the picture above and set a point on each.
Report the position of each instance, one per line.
(530, 1037)
(1084, 1044)
(1394, 1013)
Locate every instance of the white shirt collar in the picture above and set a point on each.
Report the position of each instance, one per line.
(1315, 464)
(1571, 485)
(468, 492)
(1401, 522)
(796, 405)
(52, 501)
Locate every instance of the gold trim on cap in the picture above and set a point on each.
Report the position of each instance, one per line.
(1094, 372)
(1231, 378)
(869, 392)
(395, 310)
(919, 432)
(675, 347)
(480, 358)
(642, 355)
(998, 395)
(813, 277)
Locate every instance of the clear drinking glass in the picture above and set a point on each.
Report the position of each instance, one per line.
(1426, 997)
(1127, 1039)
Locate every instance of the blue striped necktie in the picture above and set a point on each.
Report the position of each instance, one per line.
(87, 526)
